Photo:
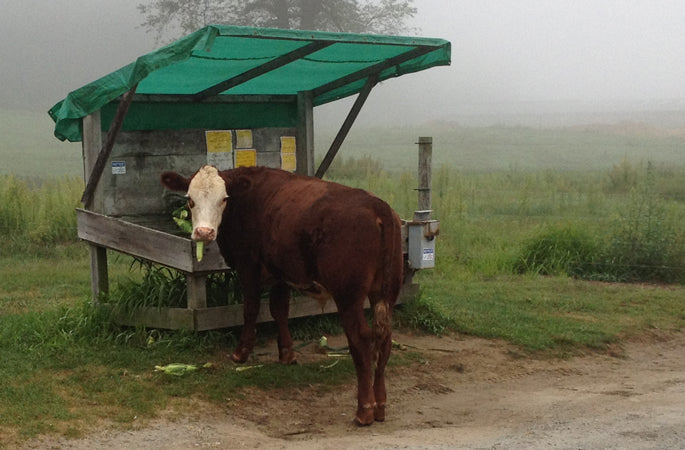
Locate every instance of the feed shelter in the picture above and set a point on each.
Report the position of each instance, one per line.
(223, 95)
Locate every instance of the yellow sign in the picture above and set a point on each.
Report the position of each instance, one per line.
(219, 141)
(245, 158)
(288, 148)
(288, 161)
(243, 138)
(287, 144)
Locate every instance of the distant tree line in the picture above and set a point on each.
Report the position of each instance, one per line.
(170, 19)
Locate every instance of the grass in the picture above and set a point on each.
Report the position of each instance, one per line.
(550, 314)
(513, 231)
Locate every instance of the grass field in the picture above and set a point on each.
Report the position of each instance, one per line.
(540, 230)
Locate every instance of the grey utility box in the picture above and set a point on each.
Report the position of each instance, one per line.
(421, 233)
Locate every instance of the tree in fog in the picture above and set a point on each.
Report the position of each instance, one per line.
(170, 19)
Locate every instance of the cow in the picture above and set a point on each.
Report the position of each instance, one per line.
(326, 240)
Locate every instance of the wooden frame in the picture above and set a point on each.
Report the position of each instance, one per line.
(104, 233)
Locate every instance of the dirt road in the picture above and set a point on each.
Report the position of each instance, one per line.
(463, 393)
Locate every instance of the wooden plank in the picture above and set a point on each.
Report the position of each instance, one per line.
(137, 190)
(305, 134)
(203, 319)
(166, 318)
(163, 248)
(91, 143)
(92, 140)
(197, 291)
(425, 155)
(346, 126)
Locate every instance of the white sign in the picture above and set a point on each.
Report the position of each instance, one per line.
(118, 167)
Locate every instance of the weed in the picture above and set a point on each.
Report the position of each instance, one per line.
(160, 286)
(39, 213)
(420, 314)
(645, 245)
(568, 249)
(623, 177)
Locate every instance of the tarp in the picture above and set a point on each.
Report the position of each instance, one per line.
(228, 61)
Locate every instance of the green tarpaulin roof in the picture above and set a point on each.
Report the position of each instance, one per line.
(227, 60)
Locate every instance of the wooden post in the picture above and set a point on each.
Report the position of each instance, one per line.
(92, 141)
(197, 291)
(304, 152)
(425, 155)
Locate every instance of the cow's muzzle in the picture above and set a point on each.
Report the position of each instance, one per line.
(205, 234)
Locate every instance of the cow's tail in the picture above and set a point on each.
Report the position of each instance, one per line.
(391, 275)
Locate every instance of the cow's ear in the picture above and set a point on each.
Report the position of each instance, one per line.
(175, 182)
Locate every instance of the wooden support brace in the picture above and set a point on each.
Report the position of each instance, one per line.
(347, 125)
(99, 166)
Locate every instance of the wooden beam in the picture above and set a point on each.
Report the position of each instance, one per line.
(99, 166)
(202, 319)
(304, 151)
(92, 141)
(261, 70)
(425, 156)
(346, 126)
(375, 69)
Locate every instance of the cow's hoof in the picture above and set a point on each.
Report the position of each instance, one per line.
(287, 356)
(240, 356)
(365, 416)
(379, 413)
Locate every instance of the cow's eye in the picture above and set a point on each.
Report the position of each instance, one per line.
(191, 203)
(224, 200)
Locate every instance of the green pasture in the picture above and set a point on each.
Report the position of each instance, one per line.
(534, 249)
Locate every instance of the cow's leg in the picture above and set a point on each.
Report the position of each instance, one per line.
(359, 339)
(250, 285)
(279, 304)
(379, 378)
(382, 336)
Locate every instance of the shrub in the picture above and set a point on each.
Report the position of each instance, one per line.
(567, 249)
(623, 177)
(645, 245)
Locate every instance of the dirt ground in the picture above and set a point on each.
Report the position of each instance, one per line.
(462, 393)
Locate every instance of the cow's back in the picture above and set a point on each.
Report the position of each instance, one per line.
(305, 230)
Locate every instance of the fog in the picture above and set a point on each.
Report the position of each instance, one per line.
(524, 58)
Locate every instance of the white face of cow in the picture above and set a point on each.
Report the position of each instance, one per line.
(207, 200)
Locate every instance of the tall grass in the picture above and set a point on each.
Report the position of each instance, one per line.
(38, 212)
(620, 224)
(641, 241)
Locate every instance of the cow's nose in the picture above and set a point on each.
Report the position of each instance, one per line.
(204, 234)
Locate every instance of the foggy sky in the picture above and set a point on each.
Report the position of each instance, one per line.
(506, 55)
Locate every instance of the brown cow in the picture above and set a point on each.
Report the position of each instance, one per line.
(321, 238)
